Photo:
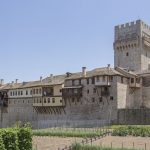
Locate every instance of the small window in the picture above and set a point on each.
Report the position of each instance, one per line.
(79, 81)
(73, 100)
(87, 80)
(21, 92)
(61, 101)
(93, 80)
(18, 92)
(60, 90)
(48, 100)
(111, 98)
(94, 90)
(121, 79)
(127, 54)
(111, 78)
(10, 93)
(37, 91)
(26, 92)
(100, 99)
(88, 91)
(44, 100)
(93, 99)
(103, 78)
(31, 92)
(132, 80)
(40, 91)
(53, 100)
(97, 78)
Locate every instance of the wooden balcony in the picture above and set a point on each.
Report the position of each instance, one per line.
(75, 91)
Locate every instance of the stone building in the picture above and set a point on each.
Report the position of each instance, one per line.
(86, 98)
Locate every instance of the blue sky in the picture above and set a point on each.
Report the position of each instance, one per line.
(40, 37)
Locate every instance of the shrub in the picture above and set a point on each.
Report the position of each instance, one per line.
(24, 139)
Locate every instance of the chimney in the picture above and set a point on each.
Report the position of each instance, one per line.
(84, 71)
(1, 81)
(41, 78)
(51, 76)
(108, 66)
(68, 74)
(12, 83)
(16, 81)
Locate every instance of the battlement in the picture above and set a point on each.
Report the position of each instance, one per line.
(133, 24)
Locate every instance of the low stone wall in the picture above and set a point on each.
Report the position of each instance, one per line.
(134, 116)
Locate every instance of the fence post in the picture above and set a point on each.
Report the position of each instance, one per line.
(122, 145)
(145, 146)
(91, 141)
(133, 144)
(111, 145)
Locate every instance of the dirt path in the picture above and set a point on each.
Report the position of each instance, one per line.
(126, 142)
(53, 143)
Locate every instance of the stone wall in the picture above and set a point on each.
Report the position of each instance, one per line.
(134, 116)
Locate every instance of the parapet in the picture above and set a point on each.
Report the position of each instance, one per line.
(132, 24)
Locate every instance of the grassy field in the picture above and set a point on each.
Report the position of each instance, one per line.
(139, 130)
(70, 132)
(88, 147)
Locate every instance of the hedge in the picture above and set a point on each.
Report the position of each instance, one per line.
(16, 139)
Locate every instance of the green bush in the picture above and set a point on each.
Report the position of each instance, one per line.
(24, 139)
(10, 139)
(2, 146)
(16, 139)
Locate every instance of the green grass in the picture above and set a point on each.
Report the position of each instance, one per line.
(89, 147)
(133, 130)
(69, 132)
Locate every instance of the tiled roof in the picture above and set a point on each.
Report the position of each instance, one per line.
(96, 72)
(55, 80)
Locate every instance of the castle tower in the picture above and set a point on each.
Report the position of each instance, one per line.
(132, 46)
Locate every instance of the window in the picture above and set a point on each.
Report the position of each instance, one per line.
(10, 93)
(26, 92)
(132, 80)
(78, 100)
(13, 93)
(60, 90)
(87, 80)
(33, 91)
(44, 100)
(21, 92)
(94, 90)
(18, 92)
(30, 92)
(111, 78)
(48, 100)
(79, 81)
(93, 99)
(93, 80)
(88, 91)
(37, 91)
(61, 101)
(121, 79)
(73, 100)
(100, 99)
(111, 98)
(127, 54)
(53, 100)
(103, 78)
(40, 91)
(97, 78)
(72, 82)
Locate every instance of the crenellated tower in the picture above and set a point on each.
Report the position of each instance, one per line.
(132, 46)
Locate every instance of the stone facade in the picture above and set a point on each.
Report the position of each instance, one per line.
(87, 98)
